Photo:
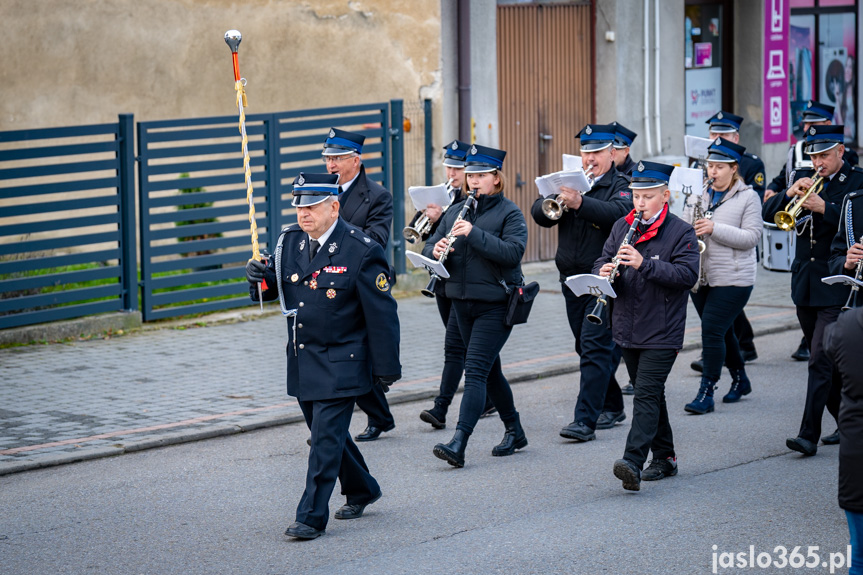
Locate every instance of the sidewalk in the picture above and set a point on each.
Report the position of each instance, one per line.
(70, 402)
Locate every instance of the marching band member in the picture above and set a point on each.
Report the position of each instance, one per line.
(582, 231)
(728, 267)
(648, 317)
(818, 304)
(332, 283)
(454, 349)
(368, 206)
(623, 138)
(485, 259)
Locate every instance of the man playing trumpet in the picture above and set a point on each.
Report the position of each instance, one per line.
(582, 230)
(818, 304)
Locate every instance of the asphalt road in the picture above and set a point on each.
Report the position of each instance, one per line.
(221, 505)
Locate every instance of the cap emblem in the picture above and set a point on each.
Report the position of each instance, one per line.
(454, 146)
(473, 150)
(588, 130)
(719, 116)
(809, 104)
(718, 141)
(332, 133)
(301, 180)
(640, 167)
(812, 130)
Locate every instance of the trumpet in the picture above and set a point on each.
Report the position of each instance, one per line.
(787, 219)
(553, 208)
(594, 317)
(420, 225)
(852, 297)
(469, 202)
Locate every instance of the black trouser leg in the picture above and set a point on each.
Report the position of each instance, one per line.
(744, 333)
(453, 354)
(824, 383)
(374, 403)
(651, 430)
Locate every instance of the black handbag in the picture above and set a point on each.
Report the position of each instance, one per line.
(520, 301)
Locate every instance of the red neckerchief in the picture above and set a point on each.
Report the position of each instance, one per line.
(654, 227)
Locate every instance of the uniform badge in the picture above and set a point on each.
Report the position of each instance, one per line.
(640, 167)
(333, 247)
(335, 269)
(455, 145)
(812, 130)
(367, 240)
(759, 178)
(332, 133)
(382, 283)
(294, 278)
(717, 142)
(313, 284)
(473, 150)
(301, 181)
(719, 116)
(588, 130)
(841, 177)
(331, 293)
(302, 245)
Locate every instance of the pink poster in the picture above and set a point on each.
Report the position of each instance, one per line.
(775, 104)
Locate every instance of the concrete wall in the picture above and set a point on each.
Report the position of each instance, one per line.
(620, 79)
(69, 62)
(483, 66)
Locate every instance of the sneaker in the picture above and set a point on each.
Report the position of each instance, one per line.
(627, 472)
(607, 419)
(660, 469)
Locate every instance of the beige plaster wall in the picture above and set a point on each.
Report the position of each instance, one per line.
(71, 62)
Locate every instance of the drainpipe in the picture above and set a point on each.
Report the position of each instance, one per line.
(647, 76)
(656, 61)
(463, 32)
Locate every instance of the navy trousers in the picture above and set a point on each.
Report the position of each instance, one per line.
(375, 404)
(598, 359)
(825, 384)
(333, 454)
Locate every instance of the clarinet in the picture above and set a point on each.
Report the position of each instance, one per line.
(429, 290)
(594, 316)
(852, 297)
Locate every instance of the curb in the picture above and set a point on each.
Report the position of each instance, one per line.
(195, 433)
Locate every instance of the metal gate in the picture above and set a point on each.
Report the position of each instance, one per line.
(545, 96)
(194, 216)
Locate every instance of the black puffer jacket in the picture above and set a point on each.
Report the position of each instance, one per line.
(582, 232)
(491, 253)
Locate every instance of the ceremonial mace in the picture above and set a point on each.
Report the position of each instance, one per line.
(233, 39)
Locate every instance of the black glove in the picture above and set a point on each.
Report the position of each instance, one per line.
(385, 381)
(255, 271)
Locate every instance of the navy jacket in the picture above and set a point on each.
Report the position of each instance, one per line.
(650, 309)
(490, 254)
(347, 325)
(752, 172)
(581, 233)
(627, 166)
(811, 259)
(850, 222)
(777, 184)
(369, 206)
(842, 345)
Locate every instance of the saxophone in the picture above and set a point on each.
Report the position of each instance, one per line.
(698, 213)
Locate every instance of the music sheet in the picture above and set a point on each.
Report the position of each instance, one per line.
(696, 147)
(572, 163)
(422, 196)
(420, 261)
(550, 184)
(582, 284)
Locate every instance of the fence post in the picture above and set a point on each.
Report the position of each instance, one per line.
(429, 150)
(274, 193)
(398, 182)
(129, 248)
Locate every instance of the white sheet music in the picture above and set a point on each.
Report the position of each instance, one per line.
(696, 147)
(420, 261)
(684, 181)
(422, 196)
(842, 279)
(572, 163)
(583, 284)
(550, 184)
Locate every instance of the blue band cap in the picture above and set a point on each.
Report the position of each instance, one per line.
(722, 150)
(724, 122)
(341, 142)
(455, 153)
(650, 175)
(822, 138)
(481, 159)
(311, 189)
(818, 112)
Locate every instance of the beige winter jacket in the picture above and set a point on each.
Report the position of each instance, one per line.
(729, 259)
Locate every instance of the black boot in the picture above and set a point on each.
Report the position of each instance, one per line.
(436, 416)
(513, 438)
(453, 452)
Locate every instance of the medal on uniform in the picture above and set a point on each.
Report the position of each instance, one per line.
(302, 245)
(333, 247)
(313, 284)
(294, 278)
(331, 293)
(841, 177)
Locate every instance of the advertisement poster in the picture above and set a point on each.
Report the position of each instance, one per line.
(776, 113)
(703, 54)
(703, 98)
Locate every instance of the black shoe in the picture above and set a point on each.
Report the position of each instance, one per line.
(697, 365)
(309, 442)
(627, 472)
(355, 511)
(453, 452)
(627, 389)
(802, 352)
(578, 431)
(303, 531)
(804, 446)
(749, 355)
(832, 439)
(436, 416)
(371, 433)
(660, 468)
(513, 438)
(489, 410)
(607, 419)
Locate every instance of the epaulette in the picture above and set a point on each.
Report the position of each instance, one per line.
(291, 228)
(857, 169)
(360, 237)
(748, 155)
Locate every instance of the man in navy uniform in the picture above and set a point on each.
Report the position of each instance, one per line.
(818, 304)
(623, 138)
(332, 282)
(582, 230)
(369, 206)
